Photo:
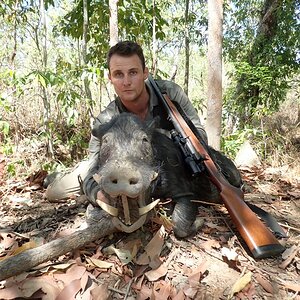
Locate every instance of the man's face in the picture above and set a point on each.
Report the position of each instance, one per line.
(127, 76)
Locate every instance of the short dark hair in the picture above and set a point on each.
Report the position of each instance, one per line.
(126, 48)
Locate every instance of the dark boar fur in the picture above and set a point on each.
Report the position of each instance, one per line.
(132, 153)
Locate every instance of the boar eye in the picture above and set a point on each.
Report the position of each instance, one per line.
(105, 139)
(146, 145)
(145, 139)
(105, 148)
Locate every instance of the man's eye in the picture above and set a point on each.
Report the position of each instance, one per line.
(118, 75)
(133, 72)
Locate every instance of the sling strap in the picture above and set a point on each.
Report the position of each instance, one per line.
(269, 220)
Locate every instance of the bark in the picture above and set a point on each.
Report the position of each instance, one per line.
(113, 22)
(13, 67)
(154, 43)
(45, 97)
(214, 86)
(86, 82)
(175, 63)
(26, 260)
(267, 27)
(15, 35)
(187, 49)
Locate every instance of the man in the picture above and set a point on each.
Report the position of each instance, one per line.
(128, 74)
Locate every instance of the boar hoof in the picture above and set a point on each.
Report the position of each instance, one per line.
(184, 219)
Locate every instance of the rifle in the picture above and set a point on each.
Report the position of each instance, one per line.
(259, 239)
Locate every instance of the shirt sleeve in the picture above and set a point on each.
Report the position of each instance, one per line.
(90, 186)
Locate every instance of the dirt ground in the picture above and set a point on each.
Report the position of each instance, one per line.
(151, 263)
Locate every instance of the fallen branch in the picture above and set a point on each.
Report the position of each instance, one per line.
(289, 227)
(28, 259)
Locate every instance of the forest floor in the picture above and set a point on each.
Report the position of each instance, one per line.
(151, 263)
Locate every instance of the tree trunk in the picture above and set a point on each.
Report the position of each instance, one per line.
(175, 65)
(187, 48)
(86, 82)
(13, 67)
(113, 36)
(214, 85)
(154, 43)
(267, 27)
(113, 22)
(44, 88)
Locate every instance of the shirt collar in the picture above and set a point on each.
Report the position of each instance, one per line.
(153, 101)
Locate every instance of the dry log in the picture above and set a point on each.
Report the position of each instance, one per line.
(28, 259)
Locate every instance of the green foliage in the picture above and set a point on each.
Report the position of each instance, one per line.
(265, 60)
(68, 93)
(197, 22)
(45, 78)
(135, 20)
(11, 169)
(267, 141)
(255, 90)
(240, 22)
(135, 23)
(230, 144)
(4, 104)
(53, 166)
(5, 141)
(4, 128)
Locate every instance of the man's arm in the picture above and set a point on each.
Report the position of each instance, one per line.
(89, 186)
(176, 93)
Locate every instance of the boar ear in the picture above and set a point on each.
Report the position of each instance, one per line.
(100, 129)
(102, 124)
(153, 123)
(96, 131)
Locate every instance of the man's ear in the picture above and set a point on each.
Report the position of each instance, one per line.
(109, 75)
(146, 73)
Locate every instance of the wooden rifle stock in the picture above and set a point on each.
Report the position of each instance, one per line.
(261, 242)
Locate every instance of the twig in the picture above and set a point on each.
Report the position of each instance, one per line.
(113, 289)
(289, 227)
(25, 236)
(128, 288)
(116, 290)
(208, 203)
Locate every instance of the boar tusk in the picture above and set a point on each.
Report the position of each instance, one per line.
(154, 176)
(126, 210)
(143, 210)
(108, 208)
(128, 229)
(97, 178)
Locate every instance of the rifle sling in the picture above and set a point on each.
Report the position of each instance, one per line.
(269, 220)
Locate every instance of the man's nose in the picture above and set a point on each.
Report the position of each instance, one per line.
(126, 80)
